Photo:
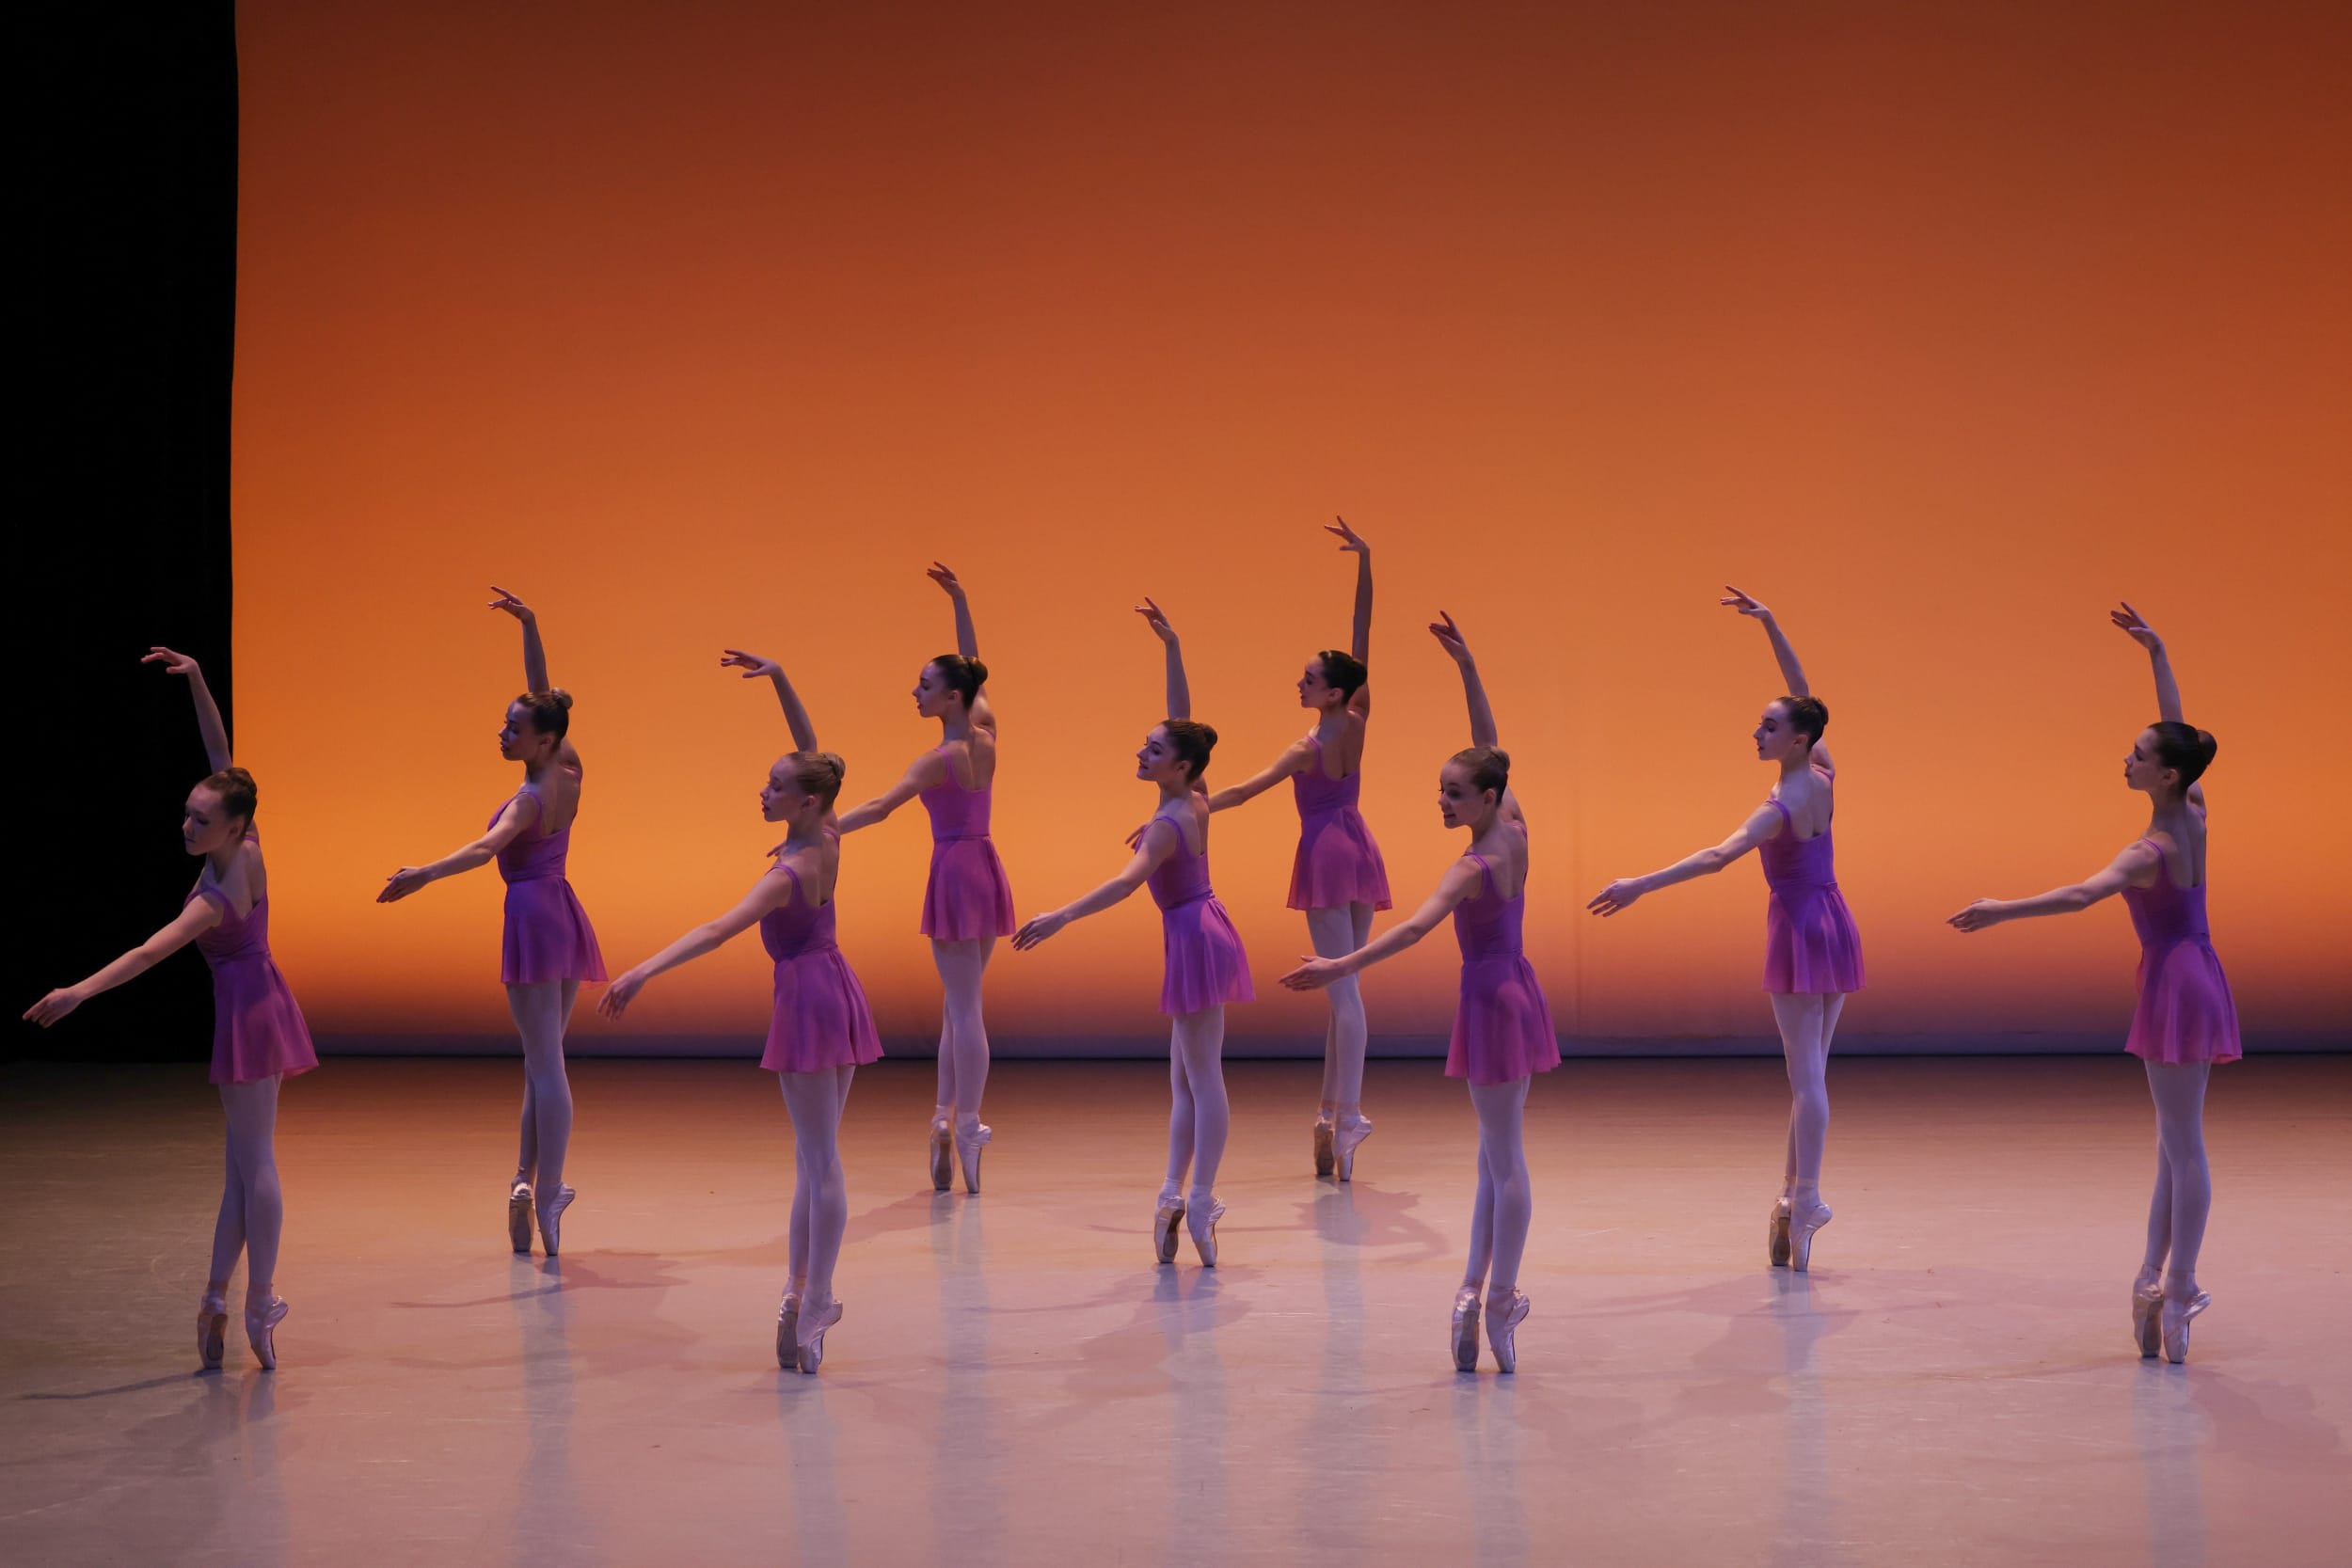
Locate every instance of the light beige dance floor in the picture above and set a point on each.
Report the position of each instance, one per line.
(1016, 1383)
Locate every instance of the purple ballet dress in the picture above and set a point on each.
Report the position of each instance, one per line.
(547, 934)
(258, 1031)
(967, 898)
(1338, 863)
(1206, 966)
(820, 1021)
(2184, 1014)
(1502, 1026)
(1810, 944)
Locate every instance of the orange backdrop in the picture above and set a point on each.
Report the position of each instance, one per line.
(712, 324)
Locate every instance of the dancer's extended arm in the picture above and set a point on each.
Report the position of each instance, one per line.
(1784, 654)
(929, 771)
(772, 891)
(1359, 642)
(1459, 883)
(2136, 864)
(207, 720)
(198, 917)
(1481, 713)
(517, 814)
(1179, 694)
(2134, 626)
(1293, 759)
(1620, 894)
(1153, 845)
(967, 643)
(795, 714)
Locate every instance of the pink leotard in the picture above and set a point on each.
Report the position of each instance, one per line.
(967, 897)
(1206, 964)
(1337, 864)
(820, 1018)
(548, 935)
(258, 1030)
(1810, 943)
(2184, 1014)
(1502, 1026)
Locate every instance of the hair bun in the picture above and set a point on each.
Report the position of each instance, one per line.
(562, 697)
(979, 671)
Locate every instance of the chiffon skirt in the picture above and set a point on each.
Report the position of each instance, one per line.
(1502, 1026)
(1206, 965)
(820, 1021)
(548, 935)
(967, 898)
(2184, 1014)
(1810, 943)
(258, 1031)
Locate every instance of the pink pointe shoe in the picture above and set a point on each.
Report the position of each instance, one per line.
(1503, 1317)
(788, 1332)
(518, 1217)
(1776, 1234)
(1465, 1309)
(1203, 1223)
(968, 1155)
(1325, 1158)
(2172, 1324)
(943, 1152)
(1803, 1223)
(552, 1217)
(211, 1330)
(810, 1333)
(2147, 1309)
(261, 1331)
(1347, 1136)
(1164, 1223)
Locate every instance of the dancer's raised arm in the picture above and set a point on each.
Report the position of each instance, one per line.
(795, 713)
(1481, 713)
(535, 651)
(1784, 654)
(967, 640)
(1360, 642)
(208, 721)
(1179, 694)
(2134, 626)
(1153, 844)
(2136, 864)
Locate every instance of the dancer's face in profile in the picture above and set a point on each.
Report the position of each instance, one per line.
(1776, 738)
(1460, 802)
(932, 695)
(518, 741)
(784, 798)
(205, 825)
(1157, 762)
(2145, 771)
(1315, 690)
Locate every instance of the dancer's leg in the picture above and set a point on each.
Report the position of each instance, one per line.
(1481, 1247)
(253, 1177)
(1505, 1191)
(1179, 1117)
(540, 1012)
(2179, 1093)
(1333, 934)
(1198, 1048)
(820, 1197)
(964, 1036)
(1805, 1023)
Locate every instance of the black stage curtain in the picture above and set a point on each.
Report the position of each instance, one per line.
(121, 479)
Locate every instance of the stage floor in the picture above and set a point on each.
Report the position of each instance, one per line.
(1015, 1382)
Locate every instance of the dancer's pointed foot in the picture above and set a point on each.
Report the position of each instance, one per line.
(1326, 1159)
(518, 1217)
(1164, 1223)
(212, 1329)
(810, 1332)
(1803, 1220)
(1776, 1234)
(1503, 1316)
(788, 1332)
(1201, 1219)
(1347, 1136)
(552, 1217)
(2173, 1323)
(260, 1324)
(968, 1153)
(1465, 1309)
(942, 1151)
(2146, 1306)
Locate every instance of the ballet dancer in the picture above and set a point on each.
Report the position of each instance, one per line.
(1812, 954)
(1502, 1032)
(259, 1037)
(1337, 878)
(967, 904)
(2185, 1021)
(820, 1032)
(549, 947)
(1205, 965)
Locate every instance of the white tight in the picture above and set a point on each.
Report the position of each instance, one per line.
(1335, 934)
(1806, 1022)
(1506, 1203)
(1199, 1118)
(963, 1036)
(252, 1210)
(542, 1012)
(2184, 1195)
(820, 1193)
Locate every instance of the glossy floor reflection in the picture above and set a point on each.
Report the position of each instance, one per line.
(1015, 1384)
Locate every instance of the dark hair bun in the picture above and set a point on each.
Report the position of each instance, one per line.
(239, 795)
(1809, 716)
(2184, 748)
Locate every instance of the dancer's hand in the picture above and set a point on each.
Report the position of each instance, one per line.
(54, 1005)
(1745, 604)
(1314, 973)
(1350, 541)
(1038, 929)
(620, 993)
(1156, 618)
(2134, 626)
(400, 883)
(1618, 896)
(174, 664)
(1450, 638)
(753, 666)
(1981, 915)
(945, 576)
(511, 605)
